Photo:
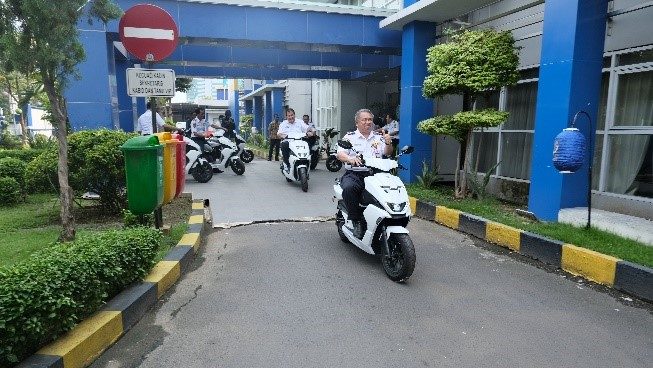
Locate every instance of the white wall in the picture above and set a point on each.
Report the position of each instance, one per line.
(298, 96)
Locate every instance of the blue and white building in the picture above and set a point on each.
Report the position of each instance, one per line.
(590, 55)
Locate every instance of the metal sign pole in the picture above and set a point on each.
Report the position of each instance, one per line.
(158, 212)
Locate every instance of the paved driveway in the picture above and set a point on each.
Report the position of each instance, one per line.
(262, 194)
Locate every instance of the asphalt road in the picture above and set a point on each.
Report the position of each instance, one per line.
(263, 194)
(291, 294)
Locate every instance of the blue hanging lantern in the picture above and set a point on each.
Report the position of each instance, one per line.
(569, 150)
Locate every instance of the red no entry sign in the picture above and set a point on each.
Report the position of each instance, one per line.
(148, 32)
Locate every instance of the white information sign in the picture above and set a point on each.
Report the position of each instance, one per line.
(150, 82)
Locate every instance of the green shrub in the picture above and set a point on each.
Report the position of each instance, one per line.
(41, 172)
(430, 177)
(9, 141)
(42, 142)
(13, 168)
(49, 294)
(26, 155)
(95, 164)
(9, 191)
(132, 220)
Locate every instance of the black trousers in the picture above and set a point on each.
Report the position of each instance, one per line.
(285, 151)
(274, 145)
(352, 184)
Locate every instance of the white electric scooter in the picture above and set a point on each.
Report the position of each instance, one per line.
(387, 213)
(300, 160)
(224, 153)
(196, 163)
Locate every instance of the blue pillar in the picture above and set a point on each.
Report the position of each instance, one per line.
(570, 80)
(267, 117)
(234, 106)
(88, 99)
(416, 39)
(277, 103)
(258, 112)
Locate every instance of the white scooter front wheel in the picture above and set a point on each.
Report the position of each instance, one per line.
(399, 261)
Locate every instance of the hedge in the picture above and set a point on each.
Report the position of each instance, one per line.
(14, 168)
(26, 155)
(47, 295)
(9, 191)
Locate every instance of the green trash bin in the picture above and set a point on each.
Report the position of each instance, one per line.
(144, 171)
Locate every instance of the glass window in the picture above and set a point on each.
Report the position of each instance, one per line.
(603, 102)
(516, 155)
(634, 105)
(520, 103)
(532, 73)
(637, 57)
(607, 61)
(491, 99)
(596, 166)
(630, 167)
(489, 144)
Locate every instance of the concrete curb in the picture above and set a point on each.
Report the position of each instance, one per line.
(84, 343)
(607, 270)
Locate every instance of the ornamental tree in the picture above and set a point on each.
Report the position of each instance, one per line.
(472, 64)
(41, 36)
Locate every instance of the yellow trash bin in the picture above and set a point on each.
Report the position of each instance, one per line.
(169, 166)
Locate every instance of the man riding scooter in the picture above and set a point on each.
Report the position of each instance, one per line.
(291, 125)
(368, 143)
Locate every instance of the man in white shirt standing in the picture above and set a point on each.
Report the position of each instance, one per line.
(291, 125)
(145, 122)
(392, 128)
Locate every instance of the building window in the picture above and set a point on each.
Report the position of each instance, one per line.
(630, 165)
(221, 94)
(511, 143)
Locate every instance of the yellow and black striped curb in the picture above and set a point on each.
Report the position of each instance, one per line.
(622, 275)
(84, 343)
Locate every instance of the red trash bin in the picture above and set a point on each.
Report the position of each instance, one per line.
(181, 162)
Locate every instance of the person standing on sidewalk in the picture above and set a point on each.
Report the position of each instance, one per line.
(275, 141)
(145, 123)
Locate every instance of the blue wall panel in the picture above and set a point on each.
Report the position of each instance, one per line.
(94, 91)
(417, 38)
(254, 23)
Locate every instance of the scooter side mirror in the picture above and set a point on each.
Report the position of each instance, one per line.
(344, 144)
(407, 150)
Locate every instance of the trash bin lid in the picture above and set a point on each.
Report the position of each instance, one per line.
(147, 142)
(163, 136)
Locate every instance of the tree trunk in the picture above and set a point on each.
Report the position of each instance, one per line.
(468, 150)
(61, 132)
(23, 128)
(456, 190)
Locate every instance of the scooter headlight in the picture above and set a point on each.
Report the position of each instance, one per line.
(397, 207)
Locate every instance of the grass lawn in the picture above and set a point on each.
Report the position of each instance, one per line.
(34, 225)
(502, 212)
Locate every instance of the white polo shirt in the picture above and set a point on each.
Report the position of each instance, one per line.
(298, 126)
(373, 146)
(145, 122)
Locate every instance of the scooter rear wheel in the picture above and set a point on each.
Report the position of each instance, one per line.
(238, 167)
(333, 164)
(399, 264)
(247, 156)
(203, 173)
